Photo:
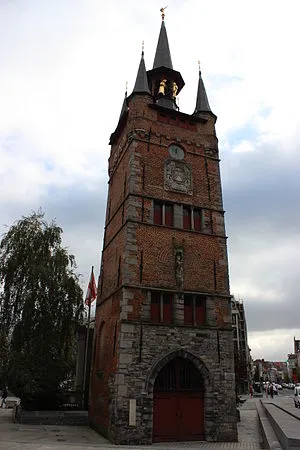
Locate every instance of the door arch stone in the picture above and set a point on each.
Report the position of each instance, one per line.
(178, 383)
(180, 353)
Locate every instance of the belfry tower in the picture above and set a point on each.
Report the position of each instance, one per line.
(163, 366)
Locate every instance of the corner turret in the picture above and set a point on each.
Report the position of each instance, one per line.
(202, 104)
(141, 83)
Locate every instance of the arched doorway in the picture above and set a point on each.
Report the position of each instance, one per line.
(178, 403)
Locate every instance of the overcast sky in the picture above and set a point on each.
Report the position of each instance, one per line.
(63, 70)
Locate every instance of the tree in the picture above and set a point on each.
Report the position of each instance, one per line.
(40, 307)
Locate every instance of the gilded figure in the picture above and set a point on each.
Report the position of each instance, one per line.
(174, 89)
(162, 87)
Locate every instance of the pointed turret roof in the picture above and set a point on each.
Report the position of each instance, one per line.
(164, 94)
(122, 120)
(163, 55)
(202, 104)
(141, 83)
(124, 106)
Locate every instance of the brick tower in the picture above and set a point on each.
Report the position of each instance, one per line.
(163, 366)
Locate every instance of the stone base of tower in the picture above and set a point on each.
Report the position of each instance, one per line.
(172, 384)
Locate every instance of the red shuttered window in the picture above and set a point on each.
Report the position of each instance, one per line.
(194, 309)
(155, 307)
(157, 219)
(197, 219)
(161, 307)
(169, 215)
(163, 214)
(200, 309)
(167, 308)
(186, 217)
(188, 309)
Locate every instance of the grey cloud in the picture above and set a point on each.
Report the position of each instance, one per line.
(261, 196)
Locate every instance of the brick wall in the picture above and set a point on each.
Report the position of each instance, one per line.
(139, 256)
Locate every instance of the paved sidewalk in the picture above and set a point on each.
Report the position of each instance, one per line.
(51, 437)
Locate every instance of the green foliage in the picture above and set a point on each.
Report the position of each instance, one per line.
(40, 306)
(4, 352)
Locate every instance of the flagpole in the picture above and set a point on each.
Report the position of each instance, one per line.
(87, 335)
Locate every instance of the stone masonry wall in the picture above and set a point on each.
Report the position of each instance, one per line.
(144, 349)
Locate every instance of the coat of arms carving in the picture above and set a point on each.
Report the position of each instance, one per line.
(178, 177)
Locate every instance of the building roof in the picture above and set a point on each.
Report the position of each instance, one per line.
(202, 104)
(141, 83)
(162, 56)
(124, 106)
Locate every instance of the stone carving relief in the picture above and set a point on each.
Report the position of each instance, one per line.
(178, 177)
(179, 267)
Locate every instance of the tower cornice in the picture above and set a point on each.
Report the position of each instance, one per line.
(174, 113)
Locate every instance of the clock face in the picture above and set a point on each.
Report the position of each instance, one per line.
(176, 152)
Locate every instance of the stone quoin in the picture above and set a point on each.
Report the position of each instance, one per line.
(163, 364)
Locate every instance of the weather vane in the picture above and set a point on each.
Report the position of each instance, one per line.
(199, 65)
(143, 46)
(162, 10)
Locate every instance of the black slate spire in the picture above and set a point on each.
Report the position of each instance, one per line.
(122, 120)
(165, 83)
(124, 106)
(141, 83)
(163, 55)
(202, 104)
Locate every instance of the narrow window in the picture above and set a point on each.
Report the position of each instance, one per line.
(155, 307)
(161, 307)
(157, 219)
(115, 339)
(188, 309)
(119, 272)
(197, 219)
(200, 309)
(167, 308)
(186, 217)
(169, 215)
(124, 193)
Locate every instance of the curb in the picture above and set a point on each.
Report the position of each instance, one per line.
(269, 437)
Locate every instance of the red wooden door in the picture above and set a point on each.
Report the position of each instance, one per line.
(191, 417)
(178, 417)
(165, 423)
(178, 403)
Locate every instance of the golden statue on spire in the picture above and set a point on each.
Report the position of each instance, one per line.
(162, 10)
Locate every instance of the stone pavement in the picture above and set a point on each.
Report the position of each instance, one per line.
(50, 437)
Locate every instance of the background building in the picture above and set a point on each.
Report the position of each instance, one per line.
(242, 359)
(164, 366)
(274, 371)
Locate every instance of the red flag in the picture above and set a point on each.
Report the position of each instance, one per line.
(92, 290)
